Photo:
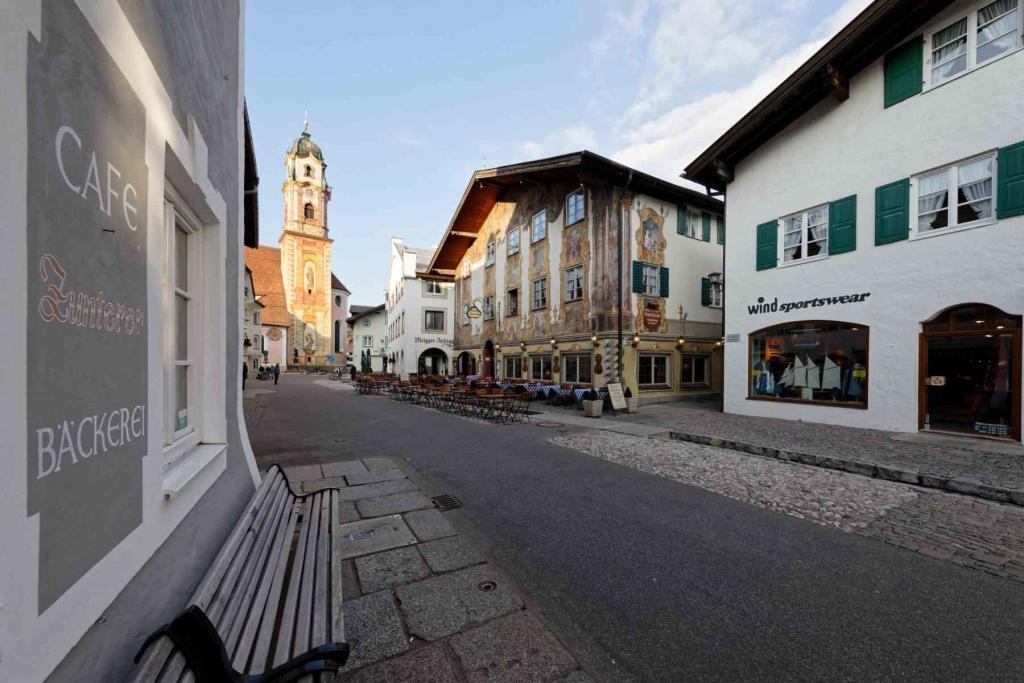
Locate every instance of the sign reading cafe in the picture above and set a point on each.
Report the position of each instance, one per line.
(87, 325)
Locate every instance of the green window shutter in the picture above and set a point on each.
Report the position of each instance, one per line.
(681, 220)
(904, 71)
(705, 291)
(892, 212)
(664, 283)
(767, 245)
(721, 229)
(1010, 192)
(706, 236)
(842, 225)
(638, 277)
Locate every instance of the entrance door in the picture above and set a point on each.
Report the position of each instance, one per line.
(970, 363)
(488, 364)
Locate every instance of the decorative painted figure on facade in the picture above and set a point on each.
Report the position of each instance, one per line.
(650, 237)
(309, 338)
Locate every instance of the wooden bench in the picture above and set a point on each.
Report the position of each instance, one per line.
(271, 596)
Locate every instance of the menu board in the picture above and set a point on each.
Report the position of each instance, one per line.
(615, 394)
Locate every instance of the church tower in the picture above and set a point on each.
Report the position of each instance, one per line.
(306, 251)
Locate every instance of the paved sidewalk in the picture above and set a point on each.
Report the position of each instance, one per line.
(422, 603)
(985, 469)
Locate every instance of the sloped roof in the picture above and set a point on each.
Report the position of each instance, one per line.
(267, 283)
(337, 284)
(357, 312)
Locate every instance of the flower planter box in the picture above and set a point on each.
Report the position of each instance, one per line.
(593, 408)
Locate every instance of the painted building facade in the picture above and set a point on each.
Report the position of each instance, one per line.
(419, 314)
(339, 314)
(545, 256)
(368, 331)
(874, 266)
(124, 454)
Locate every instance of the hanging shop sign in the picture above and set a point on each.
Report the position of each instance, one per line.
(762, 306)
(473, 311)
(652, 316)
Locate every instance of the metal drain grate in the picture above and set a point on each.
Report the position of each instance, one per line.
(446, 502)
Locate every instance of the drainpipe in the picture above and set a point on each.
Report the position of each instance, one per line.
(622, 265)
(724, 308)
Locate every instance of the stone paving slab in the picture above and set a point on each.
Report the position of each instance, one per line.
(430, 664)
(302, 473)
(448, 554)
(391, 568)
(394, 503)
(382, 488)
(340, 469)
(377, 464)
(428, 525)
(347, 512)
(442, 605)
(373, 536)
(373, 477)
(373, 630)
(513, 649)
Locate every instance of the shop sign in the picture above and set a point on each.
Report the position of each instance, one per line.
(652, 316)
(473, 311)
(763, 306)
(88, 321)
(434, 341)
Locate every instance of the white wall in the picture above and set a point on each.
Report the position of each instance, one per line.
(839, 149)
(407, 296)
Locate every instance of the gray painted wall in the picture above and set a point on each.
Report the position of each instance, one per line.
(194, 46)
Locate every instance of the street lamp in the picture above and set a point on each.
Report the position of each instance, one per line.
(554, 343)
(636, 339)
(593, 339)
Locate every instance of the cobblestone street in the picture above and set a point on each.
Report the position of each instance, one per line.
(974, 533)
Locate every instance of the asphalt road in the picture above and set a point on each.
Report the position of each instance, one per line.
(644, 577)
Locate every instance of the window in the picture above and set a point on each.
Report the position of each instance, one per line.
(256, 317)
(574, 208)
(465, 314)
(539, 227)
(489, 307)
(825, 362)
(805, 235)
(366, 322)
(652, 371)
(513, 366)
(433, 288)
(337, 336)
(307, 211)
(984, 34)
(652, 280)
(576, 368)
(958, 195)
(309, 171)
(694, 225)
(574, 283)
(711, 290)
(512, 302)
(513, 241)
(183, 293)
(695, 371)
(720, 231)
(490, 254)
(337, 299)
(540, 367)
(433, 321)
(540, 294)
(367, 340)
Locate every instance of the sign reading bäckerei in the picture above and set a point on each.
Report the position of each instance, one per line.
(763, 306)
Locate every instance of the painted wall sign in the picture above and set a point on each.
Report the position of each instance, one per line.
(435, 341)
(87, 325)
(775, 307)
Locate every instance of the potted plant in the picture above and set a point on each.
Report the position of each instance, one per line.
(593, 404)
(632, 404)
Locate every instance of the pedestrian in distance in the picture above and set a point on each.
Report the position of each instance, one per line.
(277, 371)
(245, 373)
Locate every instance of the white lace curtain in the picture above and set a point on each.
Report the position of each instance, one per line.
(976, 179)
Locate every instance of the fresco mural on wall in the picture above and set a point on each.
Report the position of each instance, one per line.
(650, 237)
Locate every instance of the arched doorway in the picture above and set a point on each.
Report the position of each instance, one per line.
(466, 363)
(488, 362)
(433, 362)
(970, 370)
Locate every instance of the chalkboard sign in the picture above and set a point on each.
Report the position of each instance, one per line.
(615, 394)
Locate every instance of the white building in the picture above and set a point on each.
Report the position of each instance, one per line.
(419, 314)
(368, 329)
(252, 331)
(875, 265)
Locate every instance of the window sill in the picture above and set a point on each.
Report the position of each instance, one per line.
(956, 228)
(826, 404)
(800, 262)
(655, 387)
(573, 301)
(576, 222)
(512, 253)
(189, 466)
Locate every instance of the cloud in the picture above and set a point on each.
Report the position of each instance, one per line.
(569, 139)
(662, 144)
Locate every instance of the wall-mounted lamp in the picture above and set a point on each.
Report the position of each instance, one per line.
(554, 343)
(636, 339)
(680, 342)
(522, 345)
(593, 339)
(497, 348)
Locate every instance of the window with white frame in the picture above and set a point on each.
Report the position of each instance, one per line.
(805, 234)
(433, 321)
(576, 368)
(694, 224)
(513, 241)
(489, 307)
(490, 254)
(433, 288)
(513, 366)
(652, 280)
(574, 208)
(715, 293)
(574, 283)
(465, 268)
(695, 371)
(540, 367)
(540, 294)
(991, 30)
(183, 325)
(539, 227)
(512, 302)
(367, 340)
(957, 195)
(652, 370)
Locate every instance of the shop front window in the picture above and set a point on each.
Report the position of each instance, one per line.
(814, 361)
(576, 368)
(652, 371)
(540, 367)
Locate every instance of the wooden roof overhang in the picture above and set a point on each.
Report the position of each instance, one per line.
(880, 27)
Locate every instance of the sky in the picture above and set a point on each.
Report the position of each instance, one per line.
(407, 99)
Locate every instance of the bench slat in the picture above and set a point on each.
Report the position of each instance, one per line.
(337, 615)
(303, 617)
(282, 646)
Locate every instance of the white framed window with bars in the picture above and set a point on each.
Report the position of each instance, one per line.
(957, 196)
(987, 31)
(539, 227)
(804, 235)
(512, 244)
(540, 294)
